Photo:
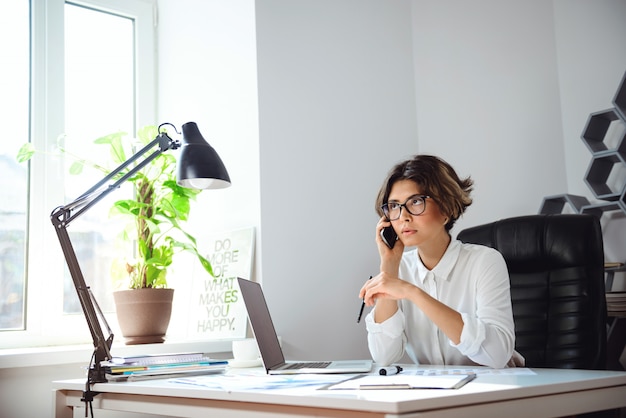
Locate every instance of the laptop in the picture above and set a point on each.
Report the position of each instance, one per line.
(269, 347)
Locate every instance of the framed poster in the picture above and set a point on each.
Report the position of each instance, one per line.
(217, 310)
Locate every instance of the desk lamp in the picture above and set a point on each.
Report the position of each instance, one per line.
(199, 167)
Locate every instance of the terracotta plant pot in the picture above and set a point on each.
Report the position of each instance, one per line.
(144, 314)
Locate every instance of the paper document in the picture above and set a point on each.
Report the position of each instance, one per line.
(152, 359)
(132, 371)
(260, 381)
(404, 381)
(450, 370)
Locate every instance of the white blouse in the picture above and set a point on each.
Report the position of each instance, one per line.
(471, 279)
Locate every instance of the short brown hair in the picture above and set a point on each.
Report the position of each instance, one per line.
(437, 179)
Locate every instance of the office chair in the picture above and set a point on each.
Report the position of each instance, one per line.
(556, 269)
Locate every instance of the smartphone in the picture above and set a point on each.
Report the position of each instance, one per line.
(389, 236)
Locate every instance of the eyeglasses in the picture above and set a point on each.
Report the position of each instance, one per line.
(415, 205)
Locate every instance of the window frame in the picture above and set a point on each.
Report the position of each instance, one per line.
(45, 323)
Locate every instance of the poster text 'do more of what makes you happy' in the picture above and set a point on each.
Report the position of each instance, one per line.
(216, 306)
(220, 294)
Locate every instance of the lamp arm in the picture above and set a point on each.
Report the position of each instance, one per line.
(96, 193)
(101, 345)
(62, 216)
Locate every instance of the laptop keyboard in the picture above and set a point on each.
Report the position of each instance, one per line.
(307, 365)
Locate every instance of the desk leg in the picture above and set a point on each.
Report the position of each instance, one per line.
(61, 408)
(616, 337)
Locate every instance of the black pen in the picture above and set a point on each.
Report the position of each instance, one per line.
(388, 371)
(358, 319)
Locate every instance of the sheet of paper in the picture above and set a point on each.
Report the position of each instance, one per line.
(404, 381)
(478, 371)
(432, 377)
(256, 381)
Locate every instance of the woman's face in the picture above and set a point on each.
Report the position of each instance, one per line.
(416, 230)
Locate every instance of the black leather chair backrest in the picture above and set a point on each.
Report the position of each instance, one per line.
(556, 268)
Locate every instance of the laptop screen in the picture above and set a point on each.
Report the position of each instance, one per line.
(261, 323)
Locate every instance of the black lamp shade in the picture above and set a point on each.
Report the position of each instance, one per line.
(199, 166)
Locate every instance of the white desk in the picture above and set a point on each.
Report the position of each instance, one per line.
(549, 393)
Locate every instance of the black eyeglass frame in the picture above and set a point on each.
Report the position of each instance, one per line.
(422, 197)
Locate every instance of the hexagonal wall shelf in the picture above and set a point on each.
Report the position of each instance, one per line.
(557, 204)
(604, 131)
(605, 175)
(605, 136)
(599, 208)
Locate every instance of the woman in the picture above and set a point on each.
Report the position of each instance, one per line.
(444, 302)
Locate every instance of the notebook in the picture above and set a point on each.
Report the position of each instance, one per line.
(269, 347)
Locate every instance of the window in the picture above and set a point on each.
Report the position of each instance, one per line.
(14, 88)
(99, 99)
(88, 69)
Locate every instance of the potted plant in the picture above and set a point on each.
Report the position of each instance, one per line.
(156, 213)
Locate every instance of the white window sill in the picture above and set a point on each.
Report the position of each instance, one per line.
(48, 356)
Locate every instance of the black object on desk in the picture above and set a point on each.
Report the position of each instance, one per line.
(387, 371)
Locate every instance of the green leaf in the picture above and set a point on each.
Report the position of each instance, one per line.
(77, 167)
(206, 264)
(25, 153)
(116, 147)
(147, 134)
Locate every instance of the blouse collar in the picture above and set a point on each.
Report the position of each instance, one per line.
(444, 266)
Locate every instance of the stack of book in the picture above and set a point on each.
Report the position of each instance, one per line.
(161, 366)
(616, 303)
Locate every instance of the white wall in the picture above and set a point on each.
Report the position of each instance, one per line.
(336, 110)
(27, 391)
(591, 61)
(488, 100)
(207, 74)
